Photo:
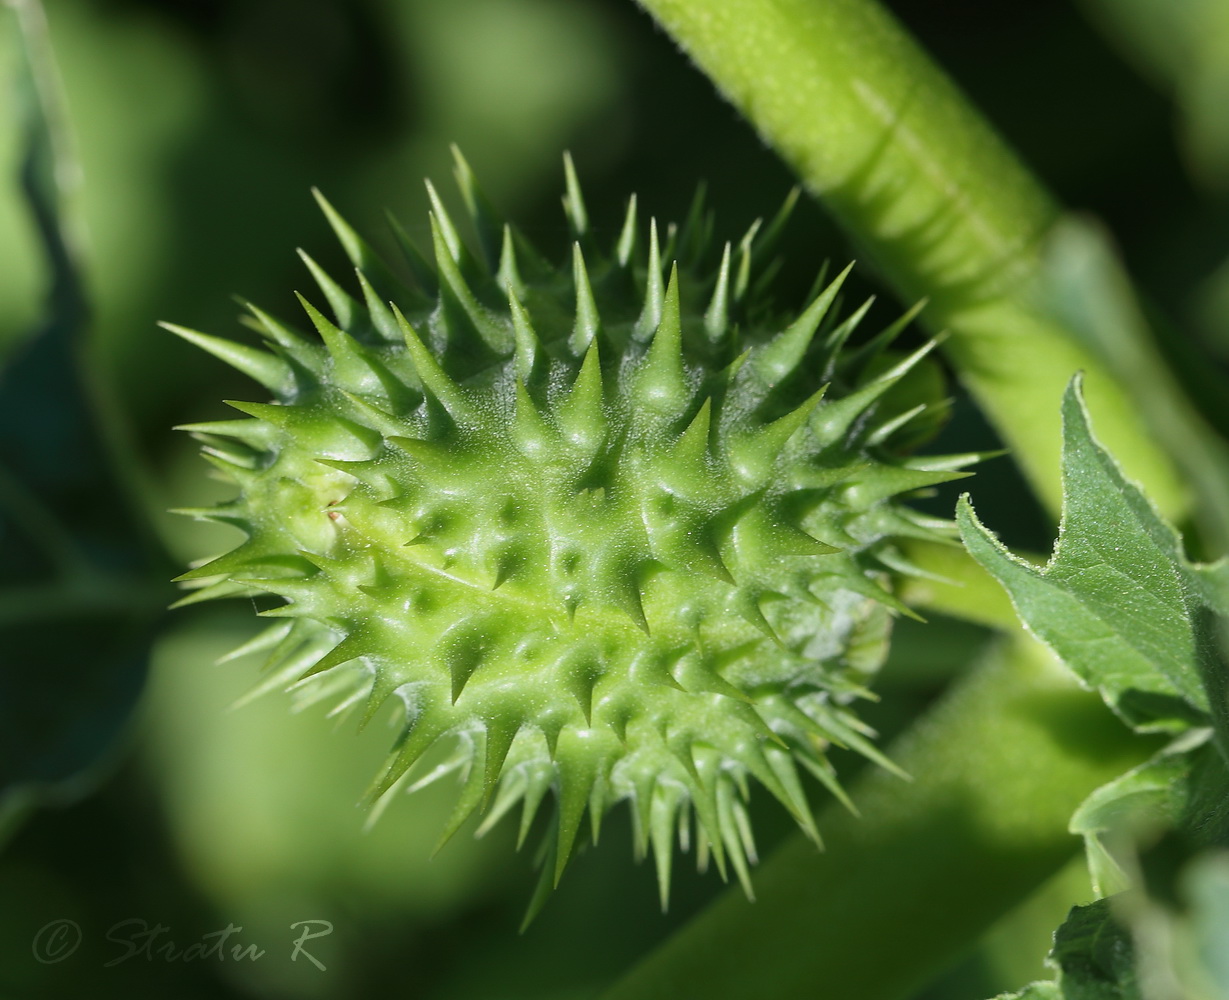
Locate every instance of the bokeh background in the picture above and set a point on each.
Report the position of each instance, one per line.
(200, 128)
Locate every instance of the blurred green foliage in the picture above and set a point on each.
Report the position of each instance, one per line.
(201, 128)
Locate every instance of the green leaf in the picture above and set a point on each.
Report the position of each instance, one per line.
(75, 611)
(1094, 957)
(1035, 991)
(1117, 601)
(1137, 947)
(1158, 793)
(1093, 954)
(1126, 611)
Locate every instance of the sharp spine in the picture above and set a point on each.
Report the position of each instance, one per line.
(781, 357)
(270, 371)
(650, 314)
(588, 322)
(573, 200)
(717, 316)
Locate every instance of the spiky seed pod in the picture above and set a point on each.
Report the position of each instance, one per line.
(598, 528)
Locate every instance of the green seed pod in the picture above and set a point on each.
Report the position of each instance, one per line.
(611, 531)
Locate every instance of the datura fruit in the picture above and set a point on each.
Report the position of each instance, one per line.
(611, 531)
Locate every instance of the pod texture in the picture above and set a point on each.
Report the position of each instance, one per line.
(615, 530)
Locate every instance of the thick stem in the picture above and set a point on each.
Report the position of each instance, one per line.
(933, 197)
(999, 767)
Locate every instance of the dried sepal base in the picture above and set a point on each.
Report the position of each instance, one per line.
(613, 531)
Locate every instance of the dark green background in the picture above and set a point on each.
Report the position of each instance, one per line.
(201, 127)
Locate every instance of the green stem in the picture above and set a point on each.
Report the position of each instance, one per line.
(999, 767)
(932, 196)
